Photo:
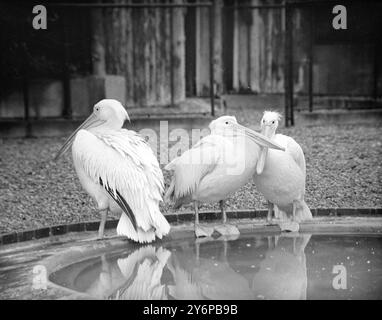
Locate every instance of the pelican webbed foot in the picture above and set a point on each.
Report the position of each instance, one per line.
(203, 231)
(269, 220)
(271, 223)
(289, 226)
(227, 229)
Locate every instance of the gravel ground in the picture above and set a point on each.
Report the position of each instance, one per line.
(343, 170)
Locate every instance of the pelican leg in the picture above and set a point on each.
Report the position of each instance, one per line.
(224, 213)
(293, 225)
(101, 228)
(294, 211)
(226, 229)
(276, 241)
(225, 250)
(197, 251)
(270, 213)
(270, 246)
(201, 231)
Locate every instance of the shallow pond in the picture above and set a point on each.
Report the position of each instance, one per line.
(287, 266)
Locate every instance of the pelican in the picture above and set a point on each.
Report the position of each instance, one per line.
(280, 176)
(118, 169)
(215, 167)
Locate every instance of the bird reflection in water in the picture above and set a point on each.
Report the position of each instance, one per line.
(221, 268)
(204, 278)
(283, 274)
(143, 270)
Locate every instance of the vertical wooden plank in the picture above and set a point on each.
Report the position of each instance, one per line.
(278, 49)
(235, 70)
(255, 49)
(163, 56)
(67, 112)
(146, 54)
(310, 60)
(211, 58)
(190, 47)
(202, 52)
(179, 54)
(267, 53)
(243, 49)
(111, 39)
(139, 58)
(152, 43)
(167, 57)
(289, 91)
(98, 42)
(262, 45)
(375, 70)
(158, 56)
(172, 56)
(218, 51)
(227, 46)
(129, 54)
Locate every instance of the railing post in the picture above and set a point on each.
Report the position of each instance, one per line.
(375, 71)
(172, 89)
(211, 38)
(288, 80)
(310, 66)
(67, 112)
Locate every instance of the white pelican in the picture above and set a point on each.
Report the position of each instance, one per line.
(280, 176)
(215, 167)
(118, 169)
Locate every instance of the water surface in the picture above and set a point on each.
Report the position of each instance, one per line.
(286, 266)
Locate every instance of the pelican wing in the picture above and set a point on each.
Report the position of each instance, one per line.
(121, 202)
(127, 168)
(190, 168)
(293, 148)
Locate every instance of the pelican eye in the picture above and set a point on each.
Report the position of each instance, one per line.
(273, 122)
(226, 122)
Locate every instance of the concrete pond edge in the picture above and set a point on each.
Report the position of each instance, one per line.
(174, 218)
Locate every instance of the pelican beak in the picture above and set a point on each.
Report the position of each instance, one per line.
(266, 131)
(91, 122)
(259, 138)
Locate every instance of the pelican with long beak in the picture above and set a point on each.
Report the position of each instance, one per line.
(216, 167)
(118, 169)
(280, 176)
